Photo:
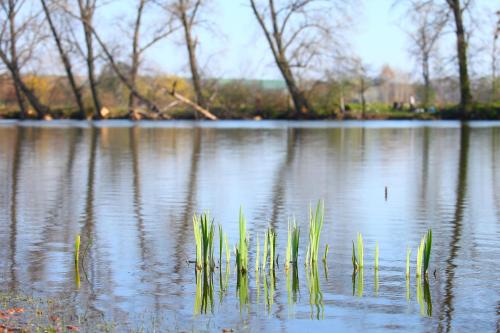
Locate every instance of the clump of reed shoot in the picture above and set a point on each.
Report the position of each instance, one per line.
(257, 255)
(376, 255)
(77, 251)
(408, 254)
(242, 247)
(424, 254)
(357, 260)
(325, 254)
(272, 248)
(315, 227)
(427, 252)
(292, 248)
(204, 237)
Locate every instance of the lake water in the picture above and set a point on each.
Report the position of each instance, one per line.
(130, 190)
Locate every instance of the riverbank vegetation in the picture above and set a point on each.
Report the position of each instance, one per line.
(85, 69)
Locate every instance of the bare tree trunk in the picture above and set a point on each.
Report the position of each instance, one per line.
(427, 80)
(41, 109)
(494, 56)
(13, 57)
(65, 60)
(362, 96)
(87, 10)
(135, 56)
(187, 24)
(275, 40)
(12, 64)
(465, 91)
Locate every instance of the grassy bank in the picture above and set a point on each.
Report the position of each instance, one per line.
(373, 112)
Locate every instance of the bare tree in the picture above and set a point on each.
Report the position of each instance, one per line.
(465, 91)
(430, 19)
(87, 10)
(138, 49)
(63, 54)
(186, 11)
(10, 34)
(494, 56)
(296, 31)
(363, 82)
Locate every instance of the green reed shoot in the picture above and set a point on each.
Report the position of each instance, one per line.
(408, 254)
(292, 248)
(77, 259)
(315, 227)
(204, 238)
(427, 251)
(242, 248)
(257, 255)
(272, 248)
(228, 252)
(77, 250)
(221, 243)
(376, 255)
(420, 256)
(361, 253)
(265, 254)
(325, 254)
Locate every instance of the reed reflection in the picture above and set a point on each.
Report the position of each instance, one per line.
(204, 300)
(424, 297)
(315, 294)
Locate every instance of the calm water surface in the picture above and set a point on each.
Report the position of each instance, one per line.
(131, 189)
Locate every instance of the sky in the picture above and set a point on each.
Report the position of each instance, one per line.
(233, 45)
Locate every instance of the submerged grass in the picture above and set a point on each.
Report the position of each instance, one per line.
(376, 255)
(204, 237)
(315, 227)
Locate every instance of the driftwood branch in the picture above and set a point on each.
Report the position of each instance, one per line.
(192, 104)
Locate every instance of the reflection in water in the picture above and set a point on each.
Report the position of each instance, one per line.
(132, 190)
(204, 301)
(408, 291)
(424, 297)
(13, 206)
(315, 294)
(457, 224)
(358, 278)
(242, 290)
(269, 287)
(292, 287)
(223, 282)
